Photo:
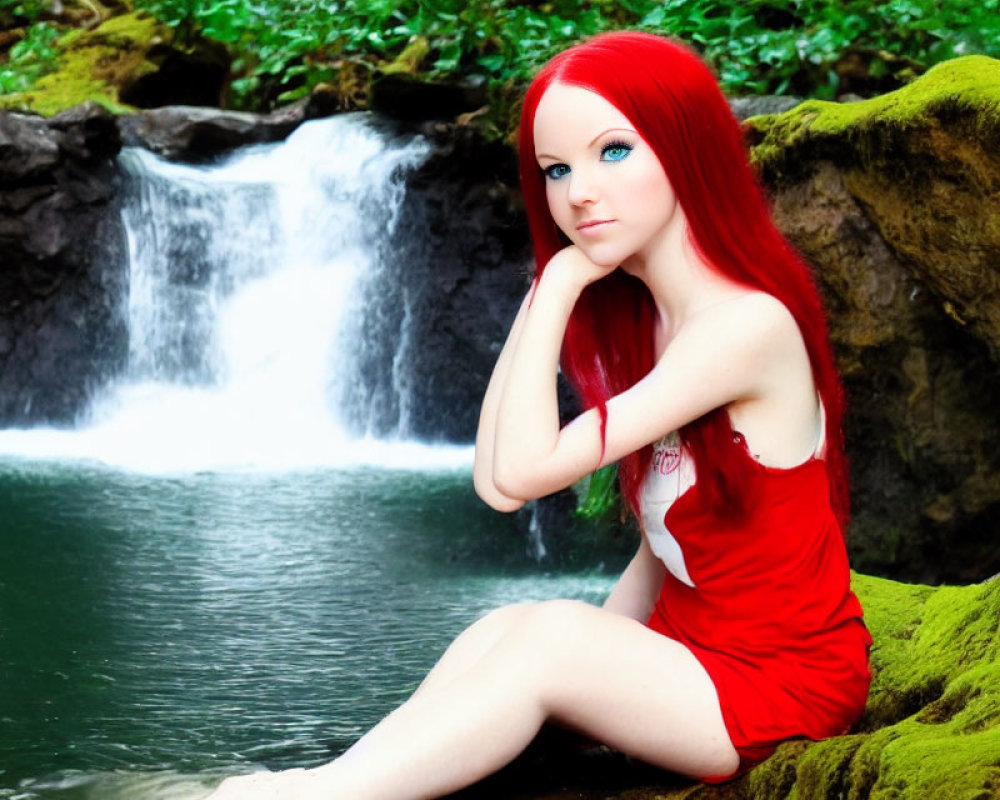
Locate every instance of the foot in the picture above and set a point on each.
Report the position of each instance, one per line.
(292, 784)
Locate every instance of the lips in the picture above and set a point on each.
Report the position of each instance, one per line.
(593, 225)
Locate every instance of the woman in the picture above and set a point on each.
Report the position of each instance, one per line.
(697, 342)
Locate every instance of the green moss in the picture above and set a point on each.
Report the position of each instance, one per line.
(970, 84)
(943, 767)
(94, 65)
(932, 726)
(408, 62)
(925, 639)
(821, 769)
(934, 712)
(776, 777)
(893, 612)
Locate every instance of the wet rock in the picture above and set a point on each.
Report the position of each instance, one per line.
(406, 97)
(197, 133)
(746, 107)
(62, 264)
(458, 263)
(192, 133)
(894, 201)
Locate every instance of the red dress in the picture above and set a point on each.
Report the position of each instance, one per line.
(767, 609)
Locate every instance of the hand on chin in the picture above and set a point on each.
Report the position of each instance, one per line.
(580, 267)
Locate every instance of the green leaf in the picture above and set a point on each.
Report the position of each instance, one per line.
(601, 495)
(491, 63)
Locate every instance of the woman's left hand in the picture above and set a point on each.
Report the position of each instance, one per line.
(572, 265)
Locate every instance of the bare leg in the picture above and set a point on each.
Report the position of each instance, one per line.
(598, 672)
(472, 644)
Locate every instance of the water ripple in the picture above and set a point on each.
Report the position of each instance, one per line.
(159, 632)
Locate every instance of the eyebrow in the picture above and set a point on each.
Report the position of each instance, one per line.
(591, 142)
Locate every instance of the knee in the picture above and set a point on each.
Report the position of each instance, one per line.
(500, 620)
(550, 630)
(541, 648)
(536, 635)
(558, 613)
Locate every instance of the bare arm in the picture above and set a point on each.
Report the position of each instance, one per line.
(528, 414)
(635, 593)
(715, 359)
(482, 472)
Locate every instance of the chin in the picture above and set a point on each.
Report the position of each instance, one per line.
(604, 257)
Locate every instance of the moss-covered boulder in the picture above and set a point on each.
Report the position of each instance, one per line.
(129, 61)
(924, 159)
(932, 725)
(931, 730)
(895, 200)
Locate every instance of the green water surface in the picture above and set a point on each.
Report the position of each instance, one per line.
(159, 632)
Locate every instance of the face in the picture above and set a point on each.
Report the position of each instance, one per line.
(606, 188)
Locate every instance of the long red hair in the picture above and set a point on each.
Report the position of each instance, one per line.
(676, 106)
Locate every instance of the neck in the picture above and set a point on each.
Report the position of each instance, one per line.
(681, 281)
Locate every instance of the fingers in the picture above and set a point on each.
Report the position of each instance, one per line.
(576, 267)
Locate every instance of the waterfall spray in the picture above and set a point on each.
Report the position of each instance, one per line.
(242, 274)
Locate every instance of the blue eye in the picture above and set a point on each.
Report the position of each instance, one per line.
(615, 151)
(556, 171)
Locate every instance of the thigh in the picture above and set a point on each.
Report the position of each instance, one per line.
(634, 689)
(472, 644)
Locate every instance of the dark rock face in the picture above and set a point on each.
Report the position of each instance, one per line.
(923, 394)
(458, 261)
(894, 202)
(62, 257)
(191, 76)
(405, 97)
(196, 134)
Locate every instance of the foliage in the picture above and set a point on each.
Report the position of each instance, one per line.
(30, 58)
(777, 46)
(282, 48)
(298, 42)
(20, 12)
(759, 46)
(599, 496)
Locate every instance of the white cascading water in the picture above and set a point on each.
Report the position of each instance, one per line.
(241, 275)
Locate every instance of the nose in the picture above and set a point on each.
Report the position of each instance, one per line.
(582, 187)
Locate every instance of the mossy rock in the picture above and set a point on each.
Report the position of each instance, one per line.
(91, 66)
(925, 161)
(893, 200)
(931, 729)
(130, 61)
(932, 725)
(962, 87)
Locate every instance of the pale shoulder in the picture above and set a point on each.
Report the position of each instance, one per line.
(748, 319)
(727, 352)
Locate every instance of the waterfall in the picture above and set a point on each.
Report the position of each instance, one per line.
(244, 276)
